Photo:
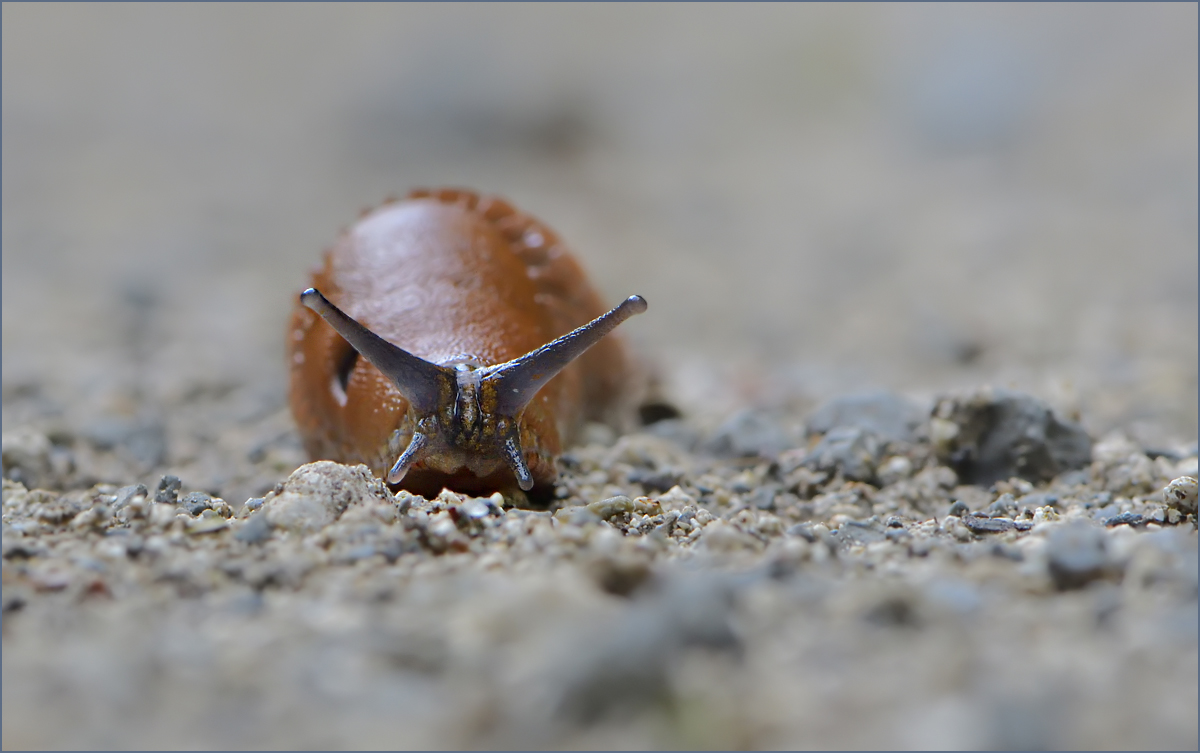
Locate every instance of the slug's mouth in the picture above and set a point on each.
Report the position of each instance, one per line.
(429, 484)
(474, 410)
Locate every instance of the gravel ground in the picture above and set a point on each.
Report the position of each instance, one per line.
(922, 284)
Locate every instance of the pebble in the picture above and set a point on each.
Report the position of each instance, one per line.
(851, 450)
(168, 490)
(977, 523)
(893, 469)
(750, 433)
(127, 493)
(1076, 555)
(1181, 494)
(1006, 504)
(887, 415)
(255, 530)
(318, 493)
(196, 502)
(720, 536)
(997, 434)
(1124, 519)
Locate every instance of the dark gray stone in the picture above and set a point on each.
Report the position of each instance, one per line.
(852, 451)
(979, 524)
(1002, 434)
(889, 416)
(1125, 519)
(168, 490)
(196, 502)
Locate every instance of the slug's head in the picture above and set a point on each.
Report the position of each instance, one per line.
(470, 416)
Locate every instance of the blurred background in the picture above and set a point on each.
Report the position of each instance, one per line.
(813, 198)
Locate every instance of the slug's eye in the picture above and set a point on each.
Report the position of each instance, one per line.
(341, 377)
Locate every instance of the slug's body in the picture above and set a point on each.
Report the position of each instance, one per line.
(460, 291)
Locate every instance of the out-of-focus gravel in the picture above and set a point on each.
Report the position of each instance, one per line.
(849, 220)
(669, 598)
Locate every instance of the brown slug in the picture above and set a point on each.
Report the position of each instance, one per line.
(482, 347)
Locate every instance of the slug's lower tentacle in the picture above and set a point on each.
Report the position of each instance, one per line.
(407, 458)
(516, 458)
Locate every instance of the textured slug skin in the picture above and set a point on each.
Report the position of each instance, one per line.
(448, 276)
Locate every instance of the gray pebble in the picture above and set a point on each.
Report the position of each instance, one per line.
(959, 508)
(887, 415)
(804, 531)
(1005, 505)
(750, 433)
(979, 524)
(1035, 500)
(126, 493)
(1125, 519)
(1076, 555)
(764, 497)
(255, 530)
(853, 451)
(196, 502)
(676, 431)
(168, 490)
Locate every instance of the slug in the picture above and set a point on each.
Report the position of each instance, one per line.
(451, 341)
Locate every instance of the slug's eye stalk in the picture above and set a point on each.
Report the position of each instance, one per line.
(420, 381)
(519, 380)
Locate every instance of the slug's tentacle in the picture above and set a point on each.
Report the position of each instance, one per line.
(422, 383)
(511, 447)
(519, 380)
(407, 458)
